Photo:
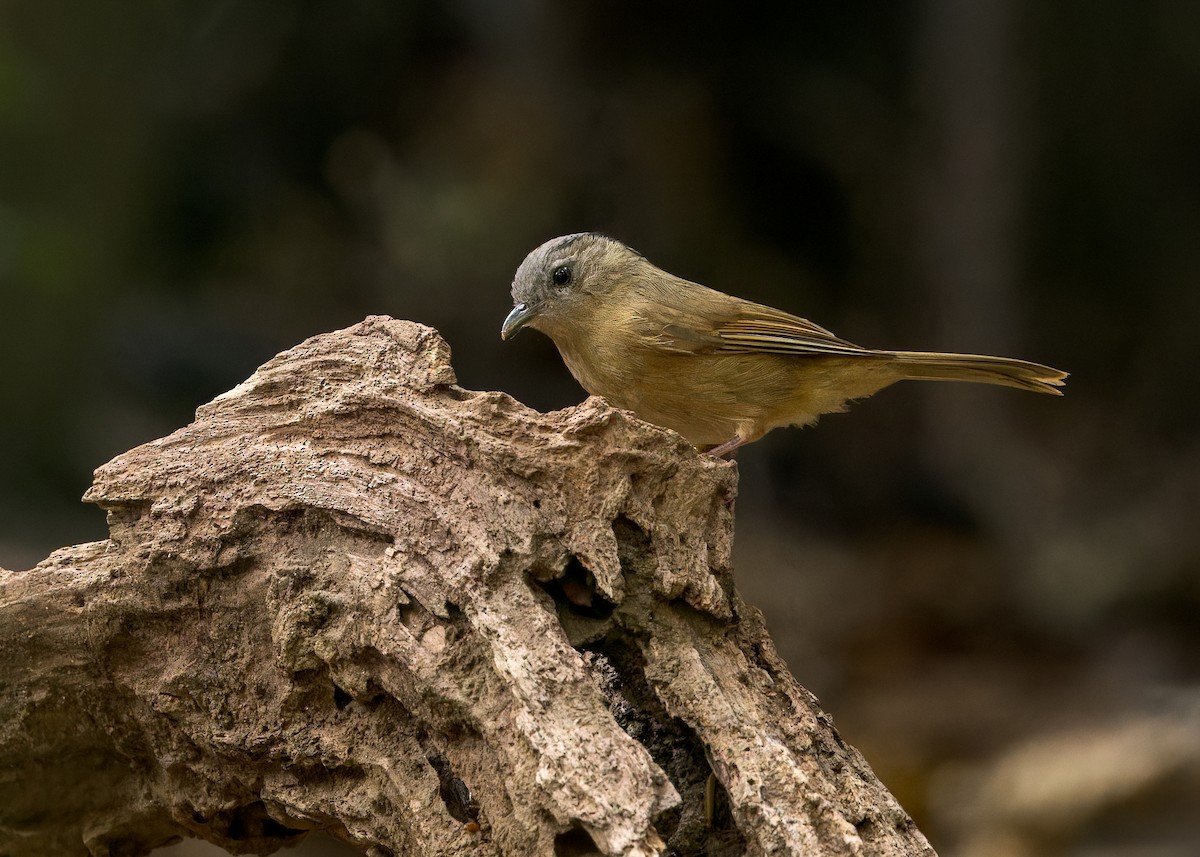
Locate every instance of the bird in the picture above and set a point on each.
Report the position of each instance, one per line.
(719, 370)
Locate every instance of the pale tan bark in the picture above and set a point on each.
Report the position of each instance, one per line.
(351, 588)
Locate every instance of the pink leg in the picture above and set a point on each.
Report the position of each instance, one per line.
(723, 449)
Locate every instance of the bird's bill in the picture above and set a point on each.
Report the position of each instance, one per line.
(518, 318)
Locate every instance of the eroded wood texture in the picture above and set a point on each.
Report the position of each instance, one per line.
(351, 588)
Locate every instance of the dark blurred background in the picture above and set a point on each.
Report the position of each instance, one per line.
(997, 595)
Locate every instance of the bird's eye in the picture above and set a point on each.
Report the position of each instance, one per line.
(561, 275)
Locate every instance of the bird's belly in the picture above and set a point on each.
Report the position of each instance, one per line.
(707, 398)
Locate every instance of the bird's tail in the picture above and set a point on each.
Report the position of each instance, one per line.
(939, 366)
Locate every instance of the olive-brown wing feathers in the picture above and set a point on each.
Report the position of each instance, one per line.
(721, 324)
(741, 326)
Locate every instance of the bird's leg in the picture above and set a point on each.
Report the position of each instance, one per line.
(723, 449)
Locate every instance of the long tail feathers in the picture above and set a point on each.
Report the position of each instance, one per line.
(938, 366)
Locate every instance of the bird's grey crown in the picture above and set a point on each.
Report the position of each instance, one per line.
(532, 283)
(586, 253)
(560, 245)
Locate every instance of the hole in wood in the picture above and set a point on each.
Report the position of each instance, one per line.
(574, 843)
(575, 588)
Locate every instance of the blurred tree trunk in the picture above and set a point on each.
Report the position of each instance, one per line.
(969, 176)
(354, 597)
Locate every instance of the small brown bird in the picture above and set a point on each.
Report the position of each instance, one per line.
(719, 370)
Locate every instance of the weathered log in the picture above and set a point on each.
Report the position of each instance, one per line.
(352, 596)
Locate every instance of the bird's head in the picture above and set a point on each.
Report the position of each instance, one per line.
(558, 273)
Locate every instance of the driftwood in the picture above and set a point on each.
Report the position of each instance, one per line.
(352, 596)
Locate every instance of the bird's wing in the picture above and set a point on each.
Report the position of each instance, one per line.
(781, 333)
(740, 326)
